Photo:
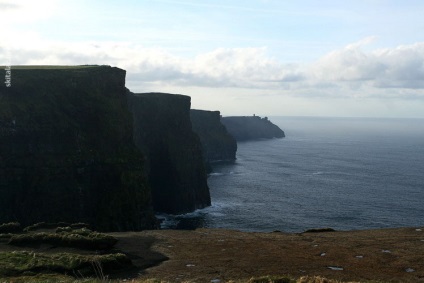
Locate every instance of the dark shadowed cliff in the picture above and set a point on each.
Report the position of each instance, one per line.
(244, 128)
(217, 143)
(67, 151)
(162, 131)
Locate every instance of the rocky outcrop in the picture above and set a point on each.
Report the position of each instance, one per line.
(67, 151)
(217, 143)
(244, 128)
(174, 164)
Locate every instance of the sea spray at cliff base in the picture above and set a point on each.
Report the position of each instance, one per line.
(344, 173)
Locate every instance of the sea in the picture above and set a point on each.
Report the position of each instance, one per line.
(340, 173)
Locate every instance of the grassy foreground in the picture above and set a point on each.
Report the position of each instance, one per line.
(48, 252)
(219, 256)
(19, 263)
(264, 279)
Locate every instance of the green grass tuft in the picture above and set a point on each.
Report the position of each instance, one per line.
(81, 238)
(44, 225)
(25, 263)
(271, 279)
(12, 227)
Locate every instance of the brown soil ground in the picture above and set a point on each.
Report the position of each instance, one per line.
(204, 255)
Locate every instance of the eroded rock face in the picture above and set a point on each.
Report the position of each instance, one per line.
(244, 128)
(174, 163)
(217, 143)
(67, 151)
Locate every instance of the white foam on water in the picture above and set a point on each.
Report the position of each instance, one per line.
(171, 221)
(167, 221)
(215, 174)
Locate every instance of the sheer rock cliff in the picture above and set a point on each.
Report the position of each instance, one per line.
(174, 163)
(217, 143)
(244, 128)
(67, 151)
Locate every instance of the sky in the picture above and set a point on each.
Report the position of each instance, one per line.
(353, 58)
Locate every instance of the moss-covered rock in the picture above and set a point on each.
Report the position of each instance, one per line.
(67, 151)
(174, 163)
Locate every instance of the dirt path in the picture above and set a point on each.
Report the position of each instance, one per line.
(211, 254)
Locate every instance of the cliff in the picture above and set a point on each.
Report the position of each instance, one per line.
(174, 163)
(67, 151)
(244, 128)
(217, 143)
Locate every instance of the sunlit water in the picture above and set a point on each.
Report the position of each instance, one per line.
(344, 173)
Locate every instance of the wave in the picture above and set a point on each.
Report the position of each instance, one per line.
(215, 174)
(174, 221)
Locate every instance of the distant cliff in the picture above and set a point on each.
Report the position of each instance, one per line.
(162, 131)
(244, 128)
(217, 143)
(67, 151)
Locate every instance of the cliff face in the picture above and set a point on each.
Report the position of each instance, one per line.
(67, 151)
(173, 153)
(217, 143)
(244, 128)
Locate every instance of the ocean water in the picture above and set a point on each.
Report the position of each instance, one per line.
(343, 173)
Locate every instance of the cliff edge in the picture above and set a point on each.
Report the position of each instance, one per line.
(244, 128)
(67, 151)
(174, 163)
(217, 143)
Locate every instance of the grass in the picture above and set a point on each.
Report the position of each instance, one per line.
(12, 227)
(6, 237)
(25, 263)
(44, 225)
(265, 279)
(272, 279)
(80, 238)
(30, 266)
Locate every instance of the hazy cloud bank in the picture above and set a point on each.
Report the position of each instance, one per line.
(348, 71)
(401, 67)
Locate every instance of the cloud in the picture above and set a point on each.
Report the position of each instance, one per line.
(8, 5)
(400, 67)
(350, 71)
(24, 11)
(404, 67)
(239, 67)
